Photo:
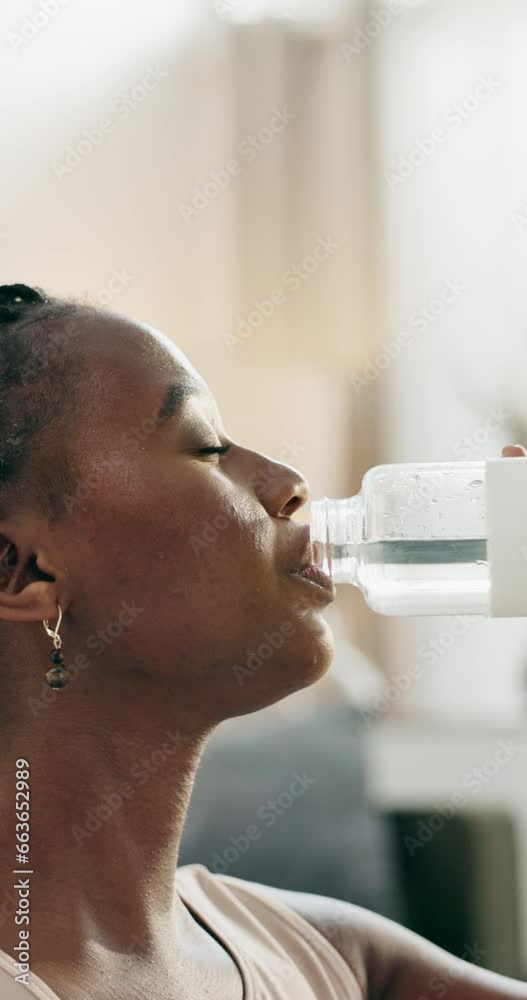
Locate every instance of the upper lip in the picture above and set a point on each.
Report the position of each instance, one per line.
(304, 551)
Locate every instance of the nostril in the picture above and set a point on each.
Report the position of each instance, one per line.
(292, 505)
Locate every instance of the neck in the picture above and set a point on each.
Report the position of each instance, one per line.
(111, 773)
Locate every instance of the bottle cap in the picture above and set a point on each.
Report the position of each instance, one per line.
(506, 508)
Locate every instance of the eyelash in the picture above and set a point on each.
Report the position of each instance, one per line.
(215, 450)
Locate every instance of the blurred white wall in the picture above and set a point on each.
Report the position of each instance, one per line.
(451, 219)
(122, 208)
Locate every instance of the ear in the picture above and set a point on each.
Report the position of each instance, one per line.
(35, 602)
(28, 591)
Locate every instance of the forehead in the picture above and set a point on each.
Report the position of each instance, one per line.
(129, 367)
(132, 347)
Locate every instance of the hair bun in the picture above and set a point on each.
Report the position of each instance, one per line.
(16, 294)
(14, 297)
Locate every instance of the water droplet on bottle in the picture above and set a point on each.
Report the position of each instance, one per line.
(476, 482)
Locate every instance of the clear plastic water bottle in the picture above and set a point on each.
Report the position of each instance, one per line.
(434, 538)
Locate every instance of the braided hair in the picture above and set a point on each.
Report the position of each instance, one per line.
(36, 382)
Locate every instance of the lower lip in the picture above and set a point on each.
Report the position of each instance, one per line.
(316, 578)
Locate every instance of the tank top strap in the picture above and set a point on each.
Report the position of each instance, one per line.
(10, 989)
(279, 954)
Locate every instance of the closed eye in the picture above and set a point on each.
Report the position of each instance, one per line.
(215, 450)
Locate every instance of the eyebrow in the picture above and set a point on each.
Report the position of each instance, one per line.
(175, 396)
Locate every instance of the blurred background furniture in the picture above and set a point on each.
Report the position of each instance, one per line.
(467, 882)
(456, 882)
(328, 840)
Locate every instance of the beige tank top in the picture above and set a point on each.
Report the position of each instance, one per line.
(279, 955)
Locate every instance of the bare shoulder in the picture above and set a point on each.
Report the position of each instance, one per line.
(391, 962)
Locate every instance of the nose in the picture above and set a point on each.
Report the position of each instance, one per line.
(281, 489)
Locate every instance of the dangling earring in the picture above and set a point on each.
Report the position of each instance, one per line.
(58, 676)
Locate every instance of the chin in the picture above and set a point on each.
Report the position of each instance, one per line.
(303, 663)
(266, 675)
(315, 659)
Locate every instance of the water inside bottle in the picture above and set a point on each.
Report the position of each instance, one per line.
(410, 576)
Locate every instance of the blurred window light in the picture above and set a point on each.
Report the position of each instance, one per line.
(308, 16)
(405, 4)
(310, 12)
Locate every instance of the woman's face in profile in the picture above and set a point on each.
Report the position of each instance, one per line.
(201, 544)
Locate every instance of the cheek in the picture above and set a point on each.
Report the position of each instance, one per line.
(211, 598)
(222, 532)
(221, 546)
